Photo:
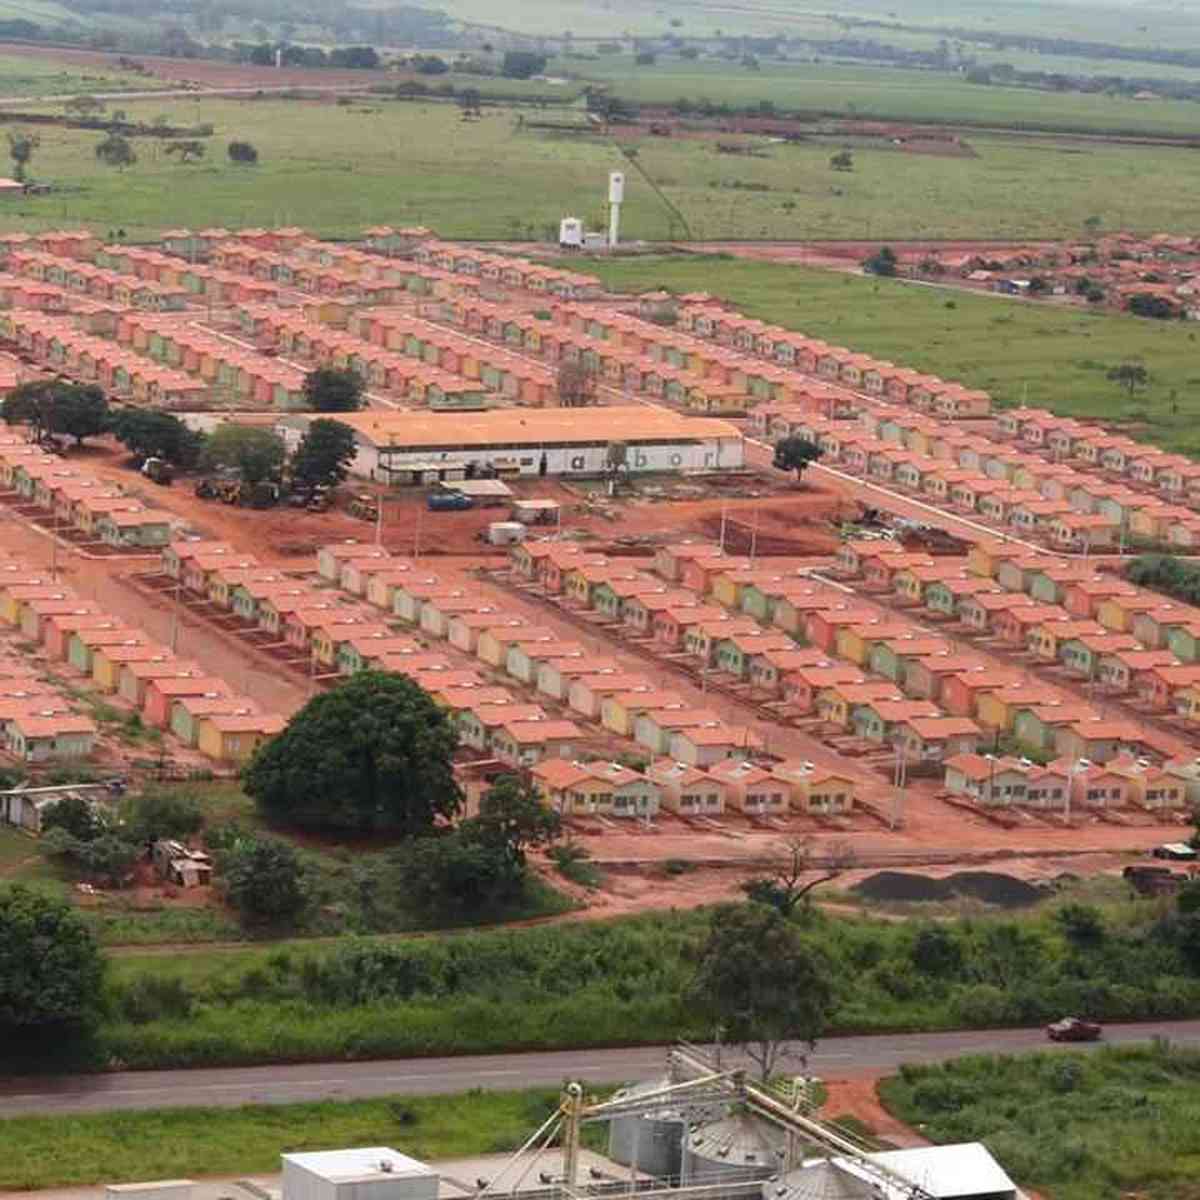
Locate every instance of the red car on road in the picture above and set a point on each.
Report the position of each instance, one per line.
(1073, 1029)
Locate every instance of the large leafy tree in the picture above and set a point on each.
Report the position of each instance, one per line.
(255, 453)
(373, 754)
(150, 433)
(765, 986)
(116, 151)
(56, 406)
(50, 966)
(330, 389)
(325, 453)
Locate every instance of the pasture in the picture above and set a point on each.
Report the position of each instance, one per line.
(892, 94)
(30, 75)
(337, 168)
(1043, 353)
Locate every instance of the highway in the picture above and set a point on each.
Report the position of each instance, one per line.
(840, 1057)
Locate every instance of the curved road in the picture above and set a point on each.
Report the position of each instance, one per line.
(838, 1057)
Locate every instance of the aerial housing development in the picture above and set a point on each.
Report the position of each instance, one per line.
(598, 606)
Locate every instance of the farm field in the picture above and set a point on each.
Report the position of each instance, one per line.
(31, 75)
(337, 168)
(1117, 1122)
(1048, 355)
(894, 94)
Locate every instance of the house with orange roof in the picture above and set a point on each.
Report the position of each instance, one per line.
(687, 790)
(751, 789)
(526, 742)
(706, 745)
(50, 737)
(933, 739)
(1037, 724)
(589, 788)
(234, 737)
(995, 781)
(878, 720)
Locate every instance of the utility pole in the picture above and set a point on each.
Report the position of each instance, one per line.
(724, 523)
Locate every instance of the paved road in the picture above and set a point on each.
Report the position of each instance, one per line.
(226, 1088)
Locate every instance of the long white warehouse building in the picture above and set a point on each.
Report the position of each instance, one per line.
(555, 441)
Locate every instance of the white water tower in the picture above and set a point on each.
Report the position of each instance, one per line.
(616, 196)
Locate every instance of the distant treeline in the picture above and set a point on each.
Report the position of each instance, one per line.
(1055, 81)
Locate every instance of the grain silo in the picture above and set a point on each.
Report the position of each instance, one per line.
(652, 1140)
(734, 1148)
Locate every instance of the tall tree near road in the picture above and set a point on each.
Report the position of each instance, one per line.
(325, 453)
(373, 754)
(763, 985)
(148, 432)
(50, 966)
(329, 389)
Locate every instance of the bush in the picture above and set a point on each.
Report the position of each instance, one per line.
(242, 152)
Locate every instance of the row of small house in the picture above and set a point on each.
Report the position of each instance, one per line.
(427, 364)
(1102, 628)
(769, 627)
(493, 719)
(1070, 509)
(169, 693)
(77, 500)
(871, 674)
(208, 365)
(1001, 781)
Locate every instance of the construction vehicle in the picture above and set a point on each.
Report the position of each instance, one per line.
(158, 470)
(365, 505)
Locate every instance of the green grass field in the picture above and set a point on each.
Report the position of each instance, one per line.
(44, 1152)
(336, 169)
(1018, 350)
(850, 91)
(1120, 1122)
(33, 76)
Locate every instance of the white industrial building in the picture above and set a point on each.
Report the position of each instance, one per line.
(365, 1173)
(553, 441)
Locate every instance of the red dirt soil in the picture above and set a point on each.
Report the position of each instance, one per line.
(859, 1098)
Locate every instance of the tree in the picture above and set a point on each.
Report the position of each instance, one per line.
(471, 103)
(457, 872)
(430, 64)
(882, 262)
(51, 969)
(264, 880)
(372, 754)
(762, 984)
(514, 817)
(795, 454)
(151, 433)
(116, 151)
(21, 148)
(795, 876)
(255, 453)
(242, 152)
(645, 58)
(576, 385)
(75, 816)
(522, 64)
(329, 389)
(163, 813)
(843, 160)
(1082, 925)
(1130, 376)
(188, 150)
(1146, 304)
(324, 454)
(54, 406)
(78, 410)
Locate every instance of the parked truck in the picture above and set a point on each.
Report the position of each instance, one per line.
(449, 502)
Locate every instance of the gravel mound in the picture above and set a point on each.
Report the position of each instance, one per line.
(990, 887)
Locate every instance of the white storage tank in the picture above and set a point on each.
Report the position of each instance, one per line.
(651, 1141)
(367, 1173)
(737, 1148)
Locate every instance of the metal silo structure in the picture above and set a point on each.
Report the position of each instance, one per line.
(735, 1148)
